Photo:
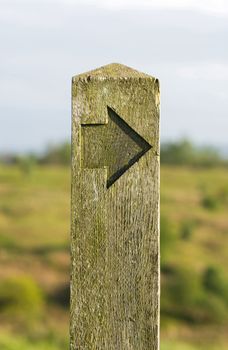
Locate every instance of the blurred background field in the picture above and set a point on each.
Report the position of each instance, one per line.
(45, 43)
(35, 249)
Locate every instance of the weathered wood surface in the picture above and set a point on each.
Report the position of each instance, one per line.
(115, 223)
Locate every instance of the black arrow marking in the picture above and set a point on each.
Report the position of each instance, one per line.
(115, 145)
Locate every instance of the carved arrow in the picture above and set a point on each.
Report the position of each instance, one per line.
(115, 145)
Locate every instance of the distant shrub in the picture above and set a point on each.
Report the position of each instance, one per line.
(58, 154)
(194, 298)
(183, 152)
(210, 202)
(167, 237)
(180, 294)
(223, 195)
(215, 282)
(186, 230)
(177, 153)
(21, 298)
(61, 295)
(185, 287)
(211, 309)
(26, 163)
(7, 243)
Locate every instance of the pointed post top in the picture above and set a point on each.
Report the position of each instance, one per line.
(115, 210)
(112, 71)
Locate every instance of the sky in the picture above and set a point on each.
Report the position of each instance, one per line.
(43, 44)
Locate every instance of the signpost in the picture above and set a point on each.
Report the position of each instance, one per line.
(115, 210)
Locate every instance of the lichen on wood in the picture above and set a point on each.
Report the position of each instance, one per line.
(114, 230)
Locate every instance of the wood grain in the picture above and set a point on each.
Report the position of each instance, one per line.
(115, 231)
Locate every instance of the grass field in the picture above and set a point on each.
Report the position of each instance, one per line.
(34, 258)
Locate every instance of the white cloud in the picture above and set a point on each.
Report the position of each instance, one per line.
(205, 71)
(45, 42)
(216, 7)
(219, 7)
(26, 10)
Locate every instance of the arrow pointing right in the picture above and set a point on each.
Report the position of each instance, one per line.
(115, 145)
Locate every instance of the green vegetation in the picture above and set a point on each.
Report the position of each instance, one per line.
(59, 154)
(26, 163)
(9, 342)
(20, 297)
(215, 282)
(194, 242)
(183, 152)
(187, 229)
(34, 257)
(167, 238)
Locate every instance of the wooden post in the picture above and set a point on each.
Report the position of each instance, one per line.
(115, 210)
